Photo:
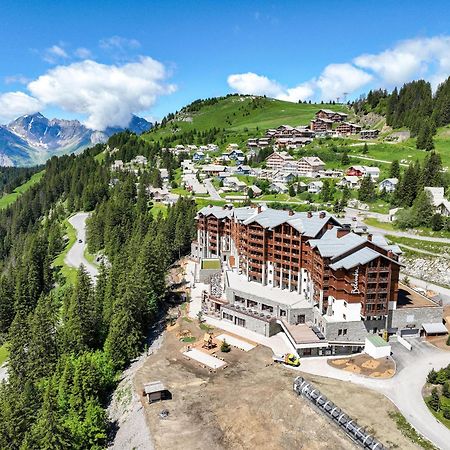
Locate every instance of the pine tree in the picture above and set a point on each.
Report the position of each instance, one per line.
(434, 400)
(425, 136)
(394, 171)
(43, 346)
(19, 345)
(81, 326)
(345, 160)
(48, 432)
(367, 191)
(292, 191)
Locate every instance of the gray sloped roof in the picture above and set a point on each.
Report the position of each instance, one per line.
(330, 246)
(216, 211)
(359, 258)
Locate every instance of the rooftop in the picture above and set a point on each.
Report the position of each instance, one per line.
(273, 294)
(376, 340)
(409, 298)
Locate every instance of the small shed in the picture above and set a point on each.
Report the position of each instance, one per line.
(376, 347)
(156, 391)
(434, 329)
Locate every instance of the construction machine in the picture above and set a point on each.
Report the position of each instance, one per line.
(289, 358)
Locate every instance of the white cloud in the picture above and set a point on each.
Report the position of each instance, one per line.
(427, 58)
(14, 104)
(337, 79)
(419, 57)
(107, 95)
(20, 79)
(83, 53)
(251, 83)
(54, 54)
(119, 43)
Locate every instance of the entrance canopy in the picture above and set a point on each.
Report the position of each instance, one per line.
(435, 328)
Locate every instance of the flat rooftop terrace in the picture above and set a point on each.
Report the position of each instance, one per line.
(303, 334)
(276, 295)
(409, 298)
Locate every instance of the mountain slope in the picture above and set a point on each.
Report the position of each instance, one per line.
(237, 114)
(32, 139)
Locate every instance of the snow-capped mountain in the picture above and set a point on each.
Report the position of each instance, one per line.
(32, 139)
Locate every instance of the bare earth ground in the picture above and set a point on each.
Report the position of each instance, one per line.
(250, 404)
(365, 365)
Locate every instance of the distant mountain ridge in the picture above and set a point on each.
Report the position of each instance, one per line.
(32, 139)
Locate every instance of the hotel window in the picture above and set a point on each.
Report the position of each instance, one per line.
(240, 322)
(283, 313)
(228, 316)
(340, 332)
(344, 331)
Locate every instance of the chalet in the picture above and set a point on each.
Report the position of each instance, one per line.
(346, 128)
(283, 177)
(330, 173)
(164, 173)
(139, 160)
(369, 134)
(290, 167)
(188, 166)
(331, 115)
(234, 184)
(349, 181)
(198, 156)
(279, 188)
(242, 169)
(315, 187)
(236, 154)
(320, 124)
(388, 184)
(256, 190)
(277, 159)
(440, 203)
(362, 171)
(214, 169)
(117, 165)
(310, 166)
(292, 142)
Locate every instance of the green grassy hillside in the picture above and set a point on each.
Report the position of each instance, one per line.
(241, 114)
(6, 200)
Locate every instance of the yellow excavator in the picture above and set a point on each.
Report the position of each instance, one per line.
(289, 358)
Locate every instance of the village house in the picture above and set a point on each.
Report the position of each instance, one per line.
(277, 159)
(198, 156)
(369, 134)
(349, 181)
(188, 166)
(290, 166)
(347, 128)
(437, 196)
(283, 177)
(212, 170)
(292, 143)
(334, 116)
(117, 165)
(139, 160)
(388, 184)
(242, 169)
(321, 125)
(256, 190)
(310, 166)
(330, 173)
(279, 188)
(234, 184)
(315, 187)
(164, 173)
(362, 171)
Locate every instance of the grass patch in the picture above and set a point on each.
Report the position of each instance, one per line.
(439, 414)
(187, 319)
(8, 199)
(206, 327)
(430, 246)
(4, 353)
(407, 430)
(100, 157)
(90, 257)
(69, 273)
(158, 208)
(189, 340)
(210, 264)
(376, 223)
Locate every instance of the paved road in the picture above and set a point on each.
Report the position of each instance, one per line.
(75, 256)
(404, 389)
(212, 190)
(442, 291)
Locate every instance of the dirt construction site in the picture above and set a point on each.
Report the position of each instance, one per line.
(248, 402)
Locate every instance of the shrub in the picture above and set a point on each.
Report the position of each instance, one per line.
(225, 347)
(434, 400)
(432, 375)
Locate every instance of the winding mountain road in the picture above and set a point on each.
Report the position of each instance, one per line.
(75, 256)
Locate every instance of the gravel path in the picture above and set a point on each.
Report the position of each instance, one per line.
(75, 255)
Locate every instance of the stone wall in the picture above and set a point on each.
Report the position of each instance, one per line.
(252, 323)
(403, 318)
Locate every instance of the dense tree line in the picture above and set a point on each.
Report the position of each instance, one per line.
(68, 342)
(12, 177)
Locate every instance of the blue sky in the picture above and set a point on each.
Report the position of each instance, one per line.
(154, 57)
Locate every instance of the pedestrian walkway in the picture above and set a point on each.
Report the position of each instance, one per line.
(204, 358)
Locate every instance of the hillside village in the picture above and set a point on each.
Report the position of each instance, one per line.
(271, 168)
